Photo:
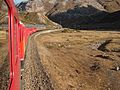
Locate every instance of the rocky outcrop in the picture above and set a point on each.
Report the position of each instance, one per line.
(110, 5)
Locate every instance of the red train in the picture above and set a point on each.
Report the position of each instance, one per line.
(17, 39)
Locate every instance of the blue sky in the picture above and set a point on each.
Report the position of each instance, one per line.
(18, 1)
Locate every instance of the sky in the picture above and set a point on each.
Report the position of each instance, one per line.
(18, 1)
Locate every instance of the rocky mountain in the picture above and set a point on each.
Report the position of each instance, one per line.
(55, 6)
(63, 5)
(76, 13)
(110, 5)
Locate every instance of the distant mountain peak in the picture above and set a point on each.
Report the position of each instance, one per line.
(63, 5)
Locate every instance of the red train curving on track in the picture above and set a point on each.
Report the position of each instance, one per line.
(17, 39)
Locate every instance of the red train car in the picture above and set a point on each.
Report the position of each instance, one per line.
(17, 39)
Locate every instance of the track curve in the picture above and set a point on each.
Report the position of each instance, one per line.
(34, 75)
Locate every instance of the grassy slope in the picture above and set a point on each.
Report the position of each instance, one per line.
(29, 17)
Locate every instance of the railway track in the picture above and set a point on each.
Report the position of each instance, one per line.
(34, 77)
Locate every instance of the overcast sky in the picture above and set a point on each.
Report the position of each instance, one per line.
(18, 1)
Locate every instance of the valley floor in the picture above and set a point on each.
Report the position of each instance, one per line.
(73, 60)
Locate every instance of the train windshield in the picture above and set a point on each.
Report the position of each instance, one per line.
(4, 62)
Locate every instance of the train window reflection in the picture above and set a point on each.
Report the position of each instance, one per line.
(4, 62)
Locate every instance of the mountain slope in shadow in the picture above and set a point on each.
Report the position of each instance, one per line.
(87, 18)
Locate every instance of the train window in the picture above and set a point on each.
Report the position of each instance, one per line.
(4, 62)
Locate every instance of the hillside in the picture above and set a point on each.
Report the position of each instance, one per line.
(29, 17)
(73, 60)
(78, 14)
(3, 12)
(110, 5)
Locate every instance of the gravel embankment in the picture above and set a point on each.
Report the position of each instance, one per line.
(34, 75)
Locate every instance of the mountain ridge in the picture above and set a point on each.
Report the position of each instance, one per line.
(74, 13)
